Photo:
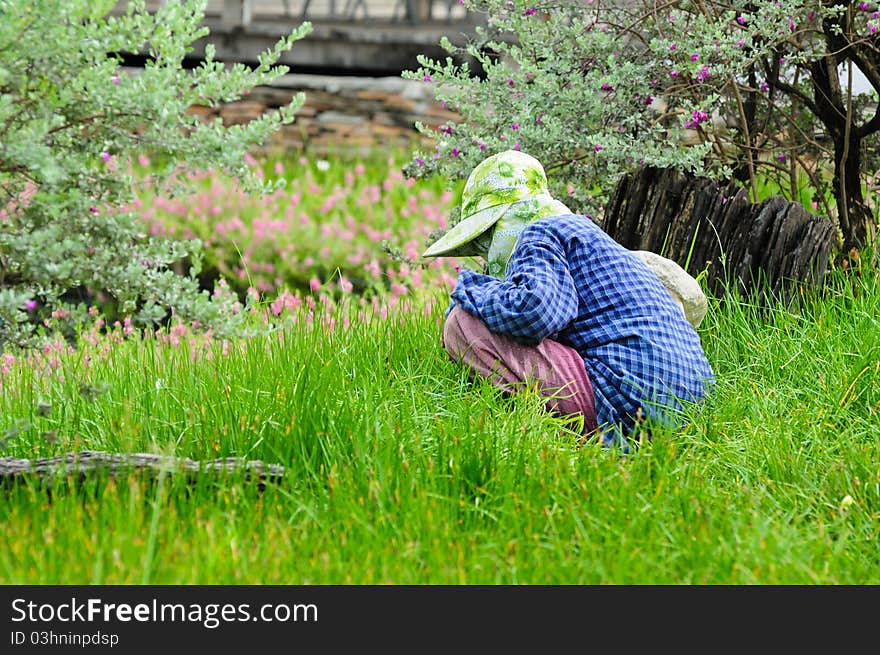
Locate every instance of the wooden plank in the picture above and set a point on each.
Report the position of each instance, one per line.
(87, 463)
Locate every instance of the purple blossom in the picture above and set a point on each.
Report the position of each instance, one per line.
(863, 6)
(509, 82)
(697, 117)
(695, 56)
(530, 11)
(740, 43)
(427, 78)
(673, 47)
(94, 210)
(115, 79)
(455, 152)
(781, 159)
(673, 73)
(597, 147)
(516, 146)
(30, 305)
(105, 156)
(482, 147)
(514, 126)
(649, 100)
(764, 86)
(606, 87)
(741, 20)
(703, 74)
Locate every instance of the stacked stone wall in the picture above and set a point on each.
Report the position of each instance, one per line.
(342, 113)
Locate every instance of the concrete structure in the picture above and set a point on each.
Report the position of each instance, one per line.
(351, 37)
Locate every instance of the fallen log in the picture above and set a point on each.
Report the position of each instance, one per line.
(764, 250)
(80, 465)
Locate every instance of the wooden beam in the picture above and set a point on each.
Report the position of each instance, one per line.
(83, 464)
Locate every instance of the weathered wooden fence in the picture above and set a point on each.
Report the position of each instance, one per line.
(765, 250)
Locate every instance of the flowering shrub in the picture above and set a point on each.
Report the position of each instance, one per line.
(327, 231)
(733, 89)
(71, 119)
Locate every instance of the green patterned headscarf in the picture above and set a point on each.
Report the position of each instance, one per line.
(503, 194)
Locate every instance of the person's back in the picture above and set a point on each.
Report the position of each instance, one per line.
(637, 346)
(565, 305)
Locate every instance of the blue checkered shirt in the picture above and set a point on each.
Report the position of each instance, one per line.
(569, 281)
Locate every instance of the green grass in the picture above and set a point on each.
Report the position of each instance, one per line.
(398, 470)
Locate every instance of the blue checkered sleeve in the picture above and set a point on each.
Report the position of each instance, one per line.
(536, 299)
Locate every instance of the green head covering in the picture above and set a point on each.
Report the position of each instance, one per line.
(503, 194)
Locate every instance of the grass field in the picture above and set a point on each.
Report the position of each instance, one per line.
(398, 470)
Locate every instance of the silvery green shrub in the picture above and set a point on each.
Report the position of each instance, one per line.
(594, 88)
(71, 121)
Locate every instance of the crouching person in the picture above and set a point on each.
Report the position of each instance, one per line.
(567, 309)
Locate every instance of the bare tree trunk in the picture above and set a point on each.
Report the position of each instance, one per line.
(854, 215)
(834, 109)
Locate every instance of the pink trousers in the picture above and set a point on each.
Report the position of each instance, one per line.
(557, 370)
